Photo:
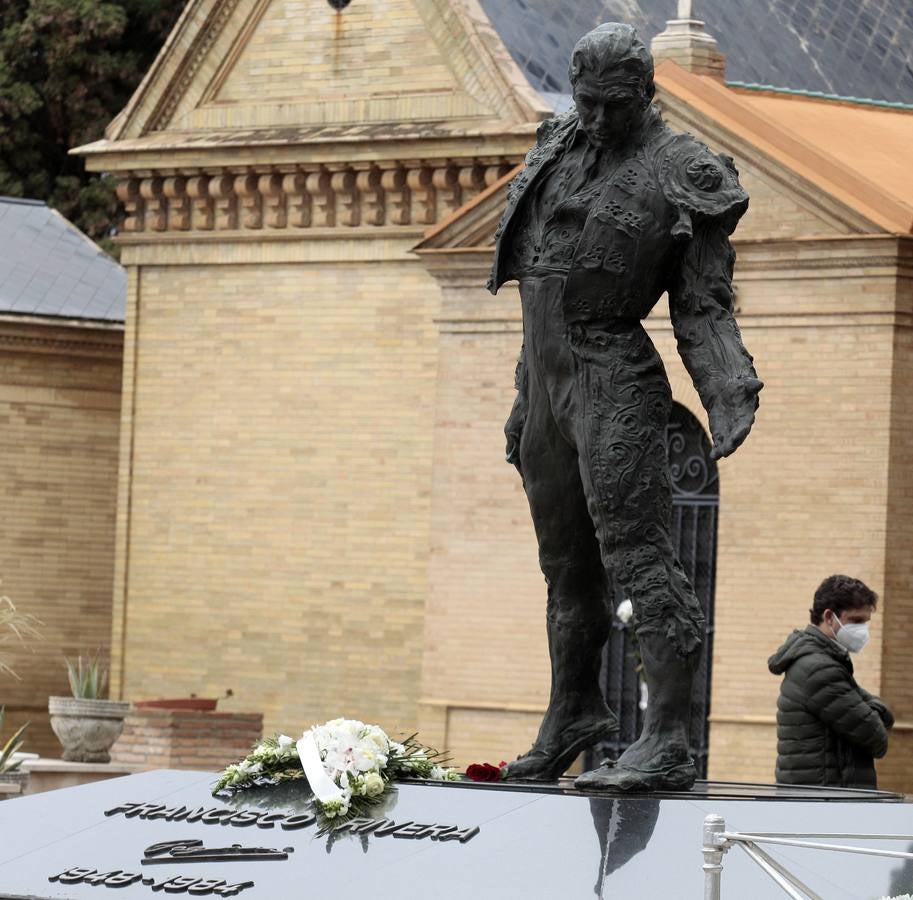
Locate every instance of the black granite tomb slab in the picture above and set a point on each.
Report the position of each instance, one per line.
(551, 843)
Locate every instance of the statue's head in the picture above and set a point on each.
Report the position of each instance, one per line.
(611, 76)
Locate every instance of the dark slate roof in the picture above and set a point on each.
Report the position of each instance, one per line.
(48, 267)
(852, 48)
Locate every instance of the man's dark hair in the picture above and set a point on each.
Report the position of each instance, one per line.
(614, 48)
(840, 593)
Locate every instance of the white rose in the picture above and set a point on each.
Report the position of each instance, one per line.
(625, 611)
(379, 739)
(374, 785)
(285, 742)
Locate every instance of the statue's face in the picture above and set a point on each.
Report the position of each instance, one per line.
(608, 109)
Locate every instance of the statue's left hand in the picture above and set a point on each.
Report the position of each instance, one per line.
(732, 414)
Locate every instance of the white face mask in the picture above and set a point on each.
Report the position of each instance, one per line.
(852, 635)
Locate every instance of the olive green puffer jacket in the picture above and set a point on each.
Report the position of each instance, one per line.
(829, 730)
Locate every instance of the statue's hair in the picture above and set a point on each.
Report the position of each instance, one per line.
(611, 49)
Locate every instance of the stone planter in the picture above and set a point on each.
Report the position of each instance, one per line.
(19, 776)
(87, 728)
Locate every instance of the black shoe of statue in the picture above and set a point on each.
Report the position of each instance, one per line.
(664, 771)
(548, 761)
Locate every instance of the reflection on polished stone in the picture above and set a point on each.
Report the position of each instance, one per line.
(292, 796)
(624, 826)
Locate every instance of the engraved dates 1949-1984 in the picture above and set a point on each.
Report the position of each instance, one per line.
(173, 884)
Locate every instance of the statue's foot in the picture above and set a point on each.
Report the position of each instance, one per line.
(650, 764)
(547, 762)
(624, 778)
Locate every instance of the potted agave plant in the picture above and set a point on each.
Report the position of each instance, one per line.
(86, 724)
(10, 760)
(17, 626)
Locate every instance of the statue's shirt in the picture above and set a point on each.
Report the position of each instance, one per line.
(553, 216)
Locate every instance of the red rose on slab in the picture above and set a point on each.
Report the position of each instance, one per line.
(483, 772)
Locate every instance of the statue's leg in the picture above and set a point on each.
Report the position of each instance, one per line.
(577, 615)
(624, 405)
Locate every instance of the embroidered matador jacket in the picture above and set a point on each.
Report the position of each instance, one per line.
(659, 223)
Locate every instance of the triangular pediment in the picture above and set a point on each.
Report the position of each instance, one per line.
(271, 64)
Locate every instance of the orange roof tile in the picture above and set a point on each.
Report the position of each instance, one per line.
(857, 153)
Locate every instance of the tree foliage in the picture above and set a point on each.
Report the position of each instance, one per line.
(67, 67)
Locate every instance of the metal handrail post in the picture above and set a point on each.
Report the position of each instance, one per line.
(717, 840)
(713, 850)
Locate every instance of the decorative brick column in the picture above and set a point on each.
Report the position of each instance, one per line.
(186, 739)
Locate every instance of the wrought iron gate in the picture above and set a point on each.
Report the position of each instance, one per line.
(695, 501)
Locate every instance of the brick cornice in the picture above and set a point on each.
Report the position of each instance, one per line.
(36, 334)
(267, 200)
(815, 256)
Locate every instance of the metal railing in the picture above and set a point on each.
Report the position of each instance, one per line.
(717, 841)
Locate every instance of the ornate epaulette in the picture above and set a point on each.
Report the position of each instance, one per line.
(700, 185)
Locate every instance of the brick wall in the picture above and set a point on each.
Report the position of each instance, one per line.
(278, 488)
(59, 416)
(186, 739)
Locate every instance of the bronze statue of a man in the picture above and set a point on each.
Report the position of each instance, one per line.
(612, 210)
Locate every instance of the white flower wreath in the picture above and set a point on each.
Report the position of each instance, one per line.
(348, 765)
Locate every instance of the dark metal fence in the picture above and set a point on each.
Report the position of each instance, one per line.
(695, 498)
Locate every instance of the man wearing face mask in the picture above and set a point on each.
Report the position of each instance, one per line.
(829, 729)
